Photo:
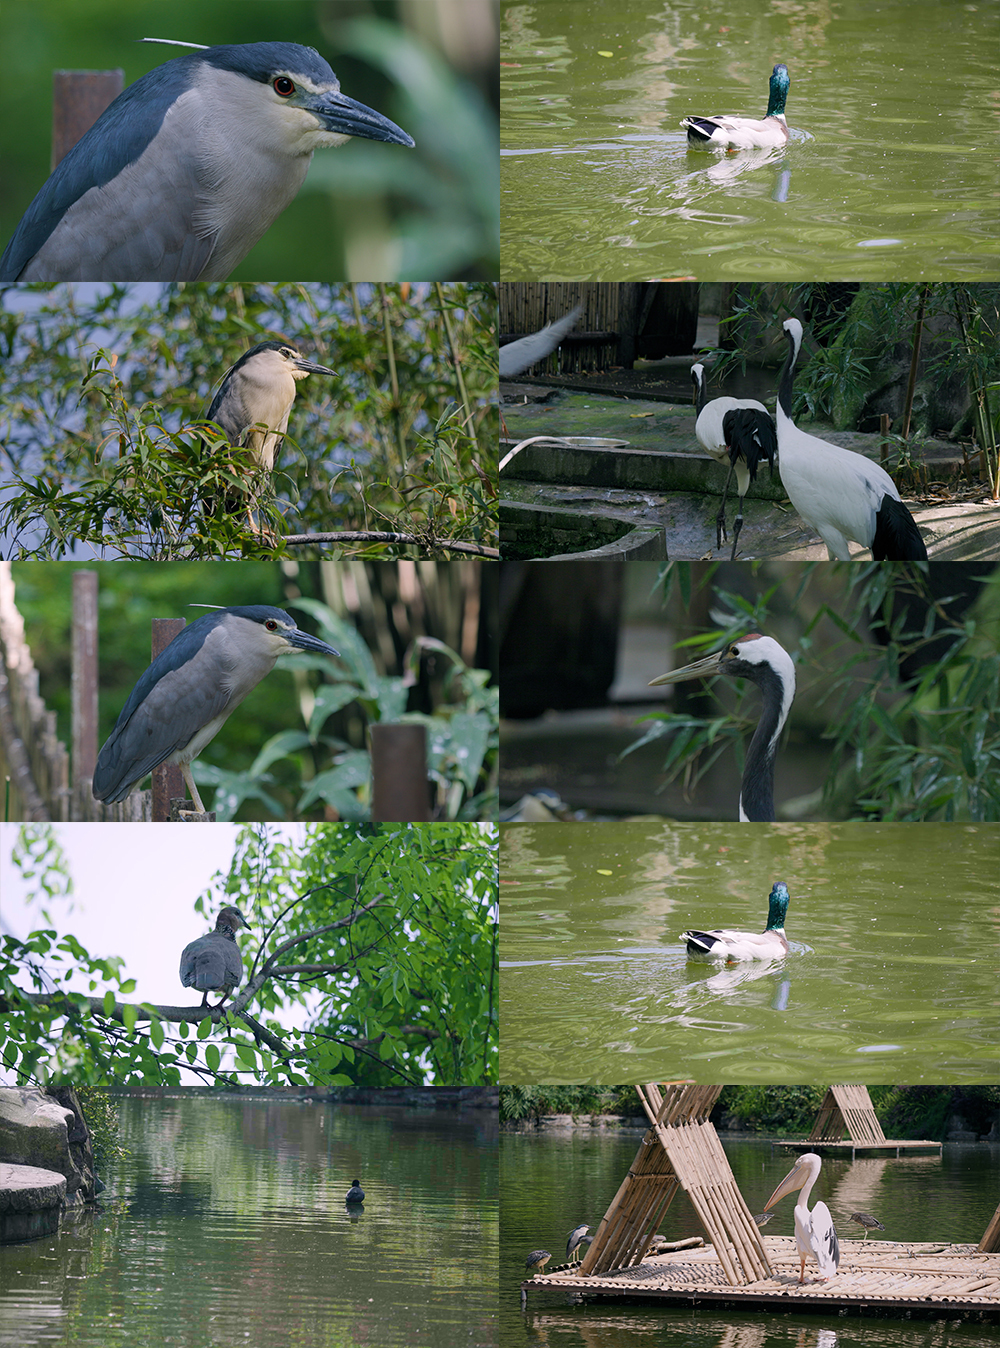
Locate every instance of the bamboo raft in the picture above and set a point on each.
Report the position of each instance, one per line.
(874, 1276)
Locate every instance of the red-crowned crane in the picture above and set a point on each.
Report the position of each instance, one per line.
(814, 1231)
(843, 495)
(736, 431)
(745, 133)
(519, 356)
(761, 660)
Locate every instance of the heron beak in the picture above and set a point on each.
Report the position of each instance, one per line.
(792, 1181)
(700, 669)
(345, 117)
(302, 641)
(310, 367)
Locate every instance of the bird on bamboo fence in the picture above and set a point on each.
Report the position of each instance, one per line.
(213, 963)
(866, 1220)
(576, 1239)
(762, 1218)
(537, 1260)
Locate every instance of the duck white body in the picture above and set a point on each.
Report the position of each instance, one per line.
(843, 495)
(730, 132)
(736, 431)
(815, 1235)
(724, 945)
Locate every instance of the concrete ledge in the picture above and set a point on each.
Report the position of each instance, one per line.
(555, 534)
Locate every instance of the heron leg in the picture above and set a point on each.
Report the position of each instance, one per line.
(189, 783)
(720, 519)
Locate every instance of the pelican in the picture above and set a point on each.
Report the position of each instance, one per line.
(740, 432)
(843, 495)
(866, 1220)
(814, 1233)
(576, 1239)
(745, 133)
(770, 667)
(726, 945)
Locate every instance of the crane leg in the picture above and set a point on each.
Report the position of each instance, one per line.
(720, 519)
(737, 526)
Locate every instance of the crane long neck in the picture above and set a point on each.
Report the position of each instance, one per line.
(785, 383)
(757, 791)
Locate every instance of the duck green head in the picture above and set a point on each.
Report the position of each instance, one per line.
(779, 91)
(778, 906)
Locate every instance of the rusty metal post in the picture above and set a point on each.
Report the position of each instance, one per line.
(78, 99)
(167, 780)
(83, 676)
(399, 773)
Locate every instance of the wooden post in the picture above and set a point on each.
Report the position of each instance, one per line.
(78, 99)
(399, 773)
(167, 780)
(83, 677)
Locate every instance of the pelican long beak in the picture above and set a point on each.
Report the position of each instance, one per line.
(795, 1179)
(703, 668)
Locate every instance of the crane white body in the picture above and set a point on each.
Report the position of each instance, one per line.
(843, 495)
(815, 1235)
(737, 431)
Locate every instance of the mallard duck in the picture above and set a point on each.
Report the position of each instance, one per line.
(769, 944)
(745, 133)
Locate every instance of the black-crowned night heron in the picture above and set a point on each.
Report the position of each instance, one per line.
(255, 399)
(189, 691)
(537, 1260)
(762, 1218)
(866, 1220)
(576, 1239)
(187, 169)
(355, 1193)
(213, 963)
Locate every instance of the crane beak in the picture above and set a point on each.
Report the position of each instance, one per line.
(795, 1179)
(703, 668)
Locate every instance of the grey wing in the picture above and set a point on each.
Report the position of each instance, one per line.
(188, 961)
(234, 965)
(139, 226)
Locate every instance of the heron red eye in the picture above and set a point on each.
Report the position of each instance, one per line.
(271, 625)
(284, 86)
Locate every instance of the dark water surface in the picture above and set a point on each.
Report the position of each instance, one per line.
(227, 1227)
(551, 1182)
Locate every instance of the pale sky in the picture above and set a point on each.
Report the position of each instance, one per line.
(135, 886)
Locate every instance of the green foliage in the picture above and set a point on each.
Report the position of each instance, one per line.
(396, 971)
(102, 1120)
(526, 1102)
(103, 406)
(924, 1111)
(788, 1111)
(906, 751)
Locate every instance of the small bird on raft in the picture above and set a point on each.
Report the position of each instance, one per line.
(740, 431)
(866, 1220)
(576, 1238)
(771, 668)
(734, 946)
(745, 133)
(537, 1260)
(762, 1218)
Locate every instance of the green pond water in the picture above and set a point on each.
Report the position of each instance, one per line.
(226, 1226)
(552, 1181)
(891, 975)
(890, 172)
